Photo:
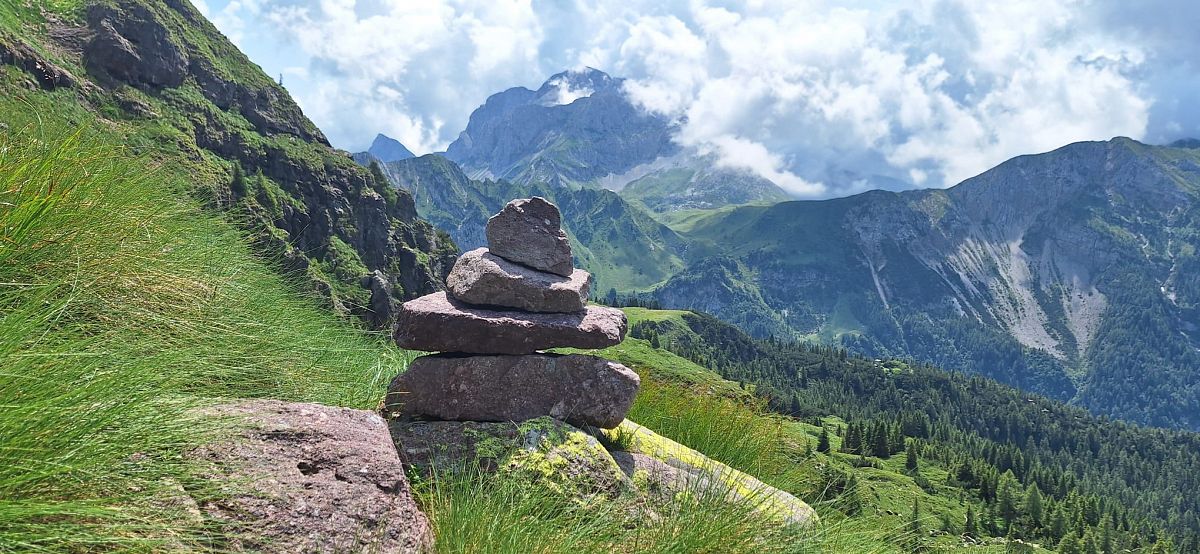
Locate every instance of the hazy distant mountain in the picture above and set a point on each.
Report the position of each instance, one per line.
(576, 128)
(699, 182)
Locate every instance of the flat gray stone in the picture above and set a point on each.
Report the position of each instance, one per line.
(529, 231)
(580, 390)
(483, 279)
(310, 478)
(438, 323)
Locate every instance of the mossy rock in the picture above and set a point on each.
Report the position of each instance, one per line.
(545, 450)
(661, 467)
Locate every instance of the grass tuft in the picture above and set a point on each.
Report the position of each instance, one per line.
(123, 306)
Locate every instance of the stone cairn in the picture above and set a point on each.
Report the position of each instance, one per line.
(502, 305)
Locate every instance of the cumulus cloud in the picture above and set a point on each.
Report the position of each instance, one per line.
(824, 97)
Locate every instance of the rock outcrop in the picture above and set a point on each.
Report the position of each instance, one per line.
(165, 71)
(310, 478)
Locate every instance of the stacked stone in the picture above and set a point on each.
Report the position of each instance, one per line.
(503, 304)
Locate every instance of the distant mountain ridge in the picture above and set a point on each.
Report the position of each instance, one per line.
(1040, 272)
(1072, 273)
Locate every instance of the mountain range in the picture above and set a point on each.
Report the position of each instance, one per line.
(175, 233)
(1068, 273)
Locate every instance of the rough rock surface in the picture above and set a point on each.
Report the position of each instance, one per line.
(311, 478)
(437, 323)
(580, 390)
(529, 231)
(48, 75)
(666, 468)
(481, 278)
(554, 454)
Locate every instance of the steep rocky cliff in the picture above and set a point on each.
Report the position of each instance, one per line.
(166, 79)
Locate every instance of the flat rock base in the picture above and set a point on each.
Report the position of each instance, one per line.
(580, 390)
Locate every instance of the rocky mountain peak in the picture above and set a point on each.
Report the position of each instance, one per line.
(387, 149)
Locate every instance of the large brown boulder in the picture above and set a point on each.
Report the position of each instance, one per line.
(310, 478)
(528, 231)
(484, 279)
(580, 390)
(438, 323)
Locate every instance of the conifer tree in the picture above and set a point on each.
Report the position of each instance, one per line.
(1006, 499)
(910, 460)
(1033, 505)
(879, 443)
(823, 441)
(1070, 544)
(970, 528)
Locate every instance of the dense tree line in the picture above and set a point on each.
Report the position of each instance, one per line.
(1040, 469)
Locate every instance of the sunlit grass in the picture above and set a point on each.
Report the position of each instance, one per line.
(123, 306)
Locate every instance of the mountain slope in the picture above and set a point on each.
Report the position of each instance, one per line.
(1068, 273)
(622, 246)
(178, 90)
(968, 440)
(699, 183)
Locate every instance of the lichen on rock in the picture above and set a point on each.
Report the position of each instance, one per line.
(549, 452)
(661, 467)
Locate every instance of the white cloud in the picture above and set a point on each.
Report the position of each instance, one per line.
(824, 97)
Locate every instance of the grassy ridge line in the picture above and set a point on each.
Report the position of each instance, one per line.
(124, 306)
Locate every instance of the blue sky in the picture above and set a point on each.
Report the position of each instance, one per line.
(825, 97)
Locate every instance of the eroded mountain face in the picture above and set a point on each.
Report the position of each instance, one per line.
(1062, 272)
(163, 75)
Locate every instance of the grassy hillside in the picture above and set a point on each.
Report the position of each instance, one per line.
(1095, 477)
(126, 305)
(161, 77)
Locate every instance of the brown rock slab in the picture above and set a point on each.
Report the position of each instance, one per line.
(580, 390)
(528, 231)
(311, 478)
(483, 279)
(438, 323)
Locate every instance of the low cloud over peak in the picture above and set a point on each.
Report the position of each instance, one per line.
(825, 98)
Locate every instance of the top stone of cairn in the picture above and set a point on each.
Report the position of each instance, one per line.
(528, 231)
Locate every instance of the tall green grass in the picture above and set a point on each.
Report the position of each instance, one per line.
(477, 513)
(123, 306)
(472, 512)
